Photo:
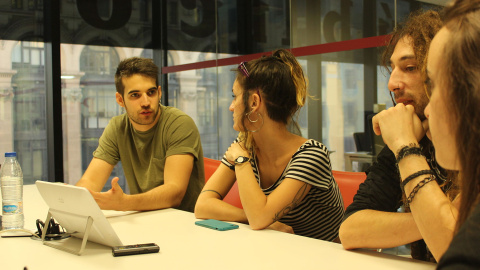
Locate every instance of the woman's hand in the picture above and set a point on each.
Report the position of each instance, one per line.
(235, 150)
(399, 126)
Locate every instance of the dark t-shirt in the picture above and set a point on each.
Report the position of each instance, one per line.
(381, 190)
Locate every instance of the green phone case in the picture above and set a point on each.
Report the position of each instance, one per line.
(216, 224)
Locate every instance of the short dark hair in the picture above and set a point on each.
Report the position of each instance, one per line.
(135, 65)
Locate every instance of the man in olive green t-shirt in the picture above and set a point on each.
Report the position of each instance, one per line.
(159, 148)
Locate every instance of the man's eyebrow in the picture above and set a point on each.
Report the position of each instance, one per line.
(403, 58)
(136, 91)
(133, 91)
(407, 57)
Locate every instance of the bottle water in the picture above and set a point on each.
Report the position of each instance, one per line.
(11, 177)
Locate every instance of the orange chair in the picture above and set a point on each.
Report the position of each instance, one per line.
(348, 182)
(233, 197)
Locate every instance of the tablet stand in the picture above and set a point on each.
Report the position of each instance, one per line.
(88, 225)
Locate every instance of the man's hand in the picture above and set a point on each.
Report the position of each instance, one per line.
(113, 199)
(282, 227)
(398, 126)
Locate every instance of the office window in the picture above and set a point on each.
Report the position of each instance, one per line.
(96, 35)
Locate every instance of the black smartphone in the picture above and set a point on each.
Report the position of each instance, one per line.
(135, 249)
(216, 224)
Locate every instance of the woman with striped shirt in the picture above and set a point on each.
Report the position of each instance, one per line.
(284, 180)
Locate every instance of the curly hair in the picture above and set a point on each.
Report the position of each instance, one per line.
(421, 26)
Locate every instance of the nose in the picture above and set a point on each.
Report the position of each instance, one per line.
(395, 82)
(145, 100)
(231, 107)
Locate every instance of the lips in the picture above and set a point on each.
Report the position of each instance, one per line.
(146, 113)
(405, 101)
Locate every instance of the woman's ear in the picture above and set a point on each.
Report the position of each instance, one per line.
(255, 101)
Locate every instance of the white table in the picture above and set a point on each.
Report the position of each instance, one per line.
(184, 245)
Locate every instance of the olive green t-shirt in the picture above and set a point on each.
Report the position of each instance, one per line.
(143, 153)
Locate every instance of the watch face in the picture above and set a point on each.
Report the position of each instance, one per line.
(241, 159)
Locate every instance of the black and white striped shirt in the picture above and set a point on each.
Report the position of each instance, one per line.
(320, 213)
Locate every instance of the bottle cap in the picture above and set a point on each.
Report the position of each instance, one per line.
(11, 154)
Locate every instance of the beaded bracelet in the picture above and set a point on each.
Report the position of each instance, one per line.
(417, 187)
(407, 150)
(413, 176)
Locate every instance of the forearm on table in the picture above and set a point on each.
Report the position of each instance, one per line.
(214, 208)
(377, 229)
(164, 196)
(433, 212)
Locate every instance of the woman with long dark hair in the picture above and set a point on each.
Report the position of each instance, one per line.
(454, 117)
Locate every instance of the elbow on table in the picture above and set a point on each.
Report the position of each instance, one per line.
(199, 210)
(175, 201)
(258, 224)
(345, 236)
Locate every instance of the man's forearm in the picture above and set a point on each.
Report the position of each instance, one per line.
(376, 229)
(161, 197)
(92, 185)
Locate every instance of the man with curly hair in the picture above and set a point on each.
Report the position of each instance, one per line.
(373, 219)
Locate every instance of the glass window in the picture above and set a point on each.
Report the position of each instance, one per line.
(211, 36)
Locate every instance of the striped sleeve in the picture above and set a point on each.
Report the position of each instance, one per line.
(311, 164)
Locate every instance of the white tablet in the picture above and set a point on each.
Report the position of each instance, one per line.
(73, 207)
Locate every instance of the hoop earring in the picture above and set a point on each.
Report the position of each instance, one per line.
(259, 116)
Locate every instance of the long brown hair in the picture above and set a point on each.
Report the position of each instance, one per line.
(462, 84)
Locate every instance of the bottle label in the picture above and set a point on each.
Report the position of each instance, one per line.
(10, 209)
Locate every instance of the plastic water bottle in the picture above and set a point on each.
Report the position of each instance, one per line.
(11, 177)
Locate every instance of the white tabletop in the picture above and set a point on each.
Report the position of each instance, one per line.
(183, 245)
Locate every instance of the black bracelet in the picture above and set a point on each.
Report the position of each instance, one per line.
(413, 176)
(407, 150)
(221, 197)
(417, 187)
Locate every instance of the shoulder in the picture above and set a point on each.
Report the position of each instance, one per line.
(312, 154)
(173, 113)
(312, 148)
(173, 116)
(116, 123)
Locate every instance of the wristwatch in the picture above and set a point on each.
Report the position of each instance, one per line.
(241, 159)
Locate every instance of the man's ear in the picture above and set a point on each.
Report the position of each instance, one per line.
(119, 99)
(159, 93)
